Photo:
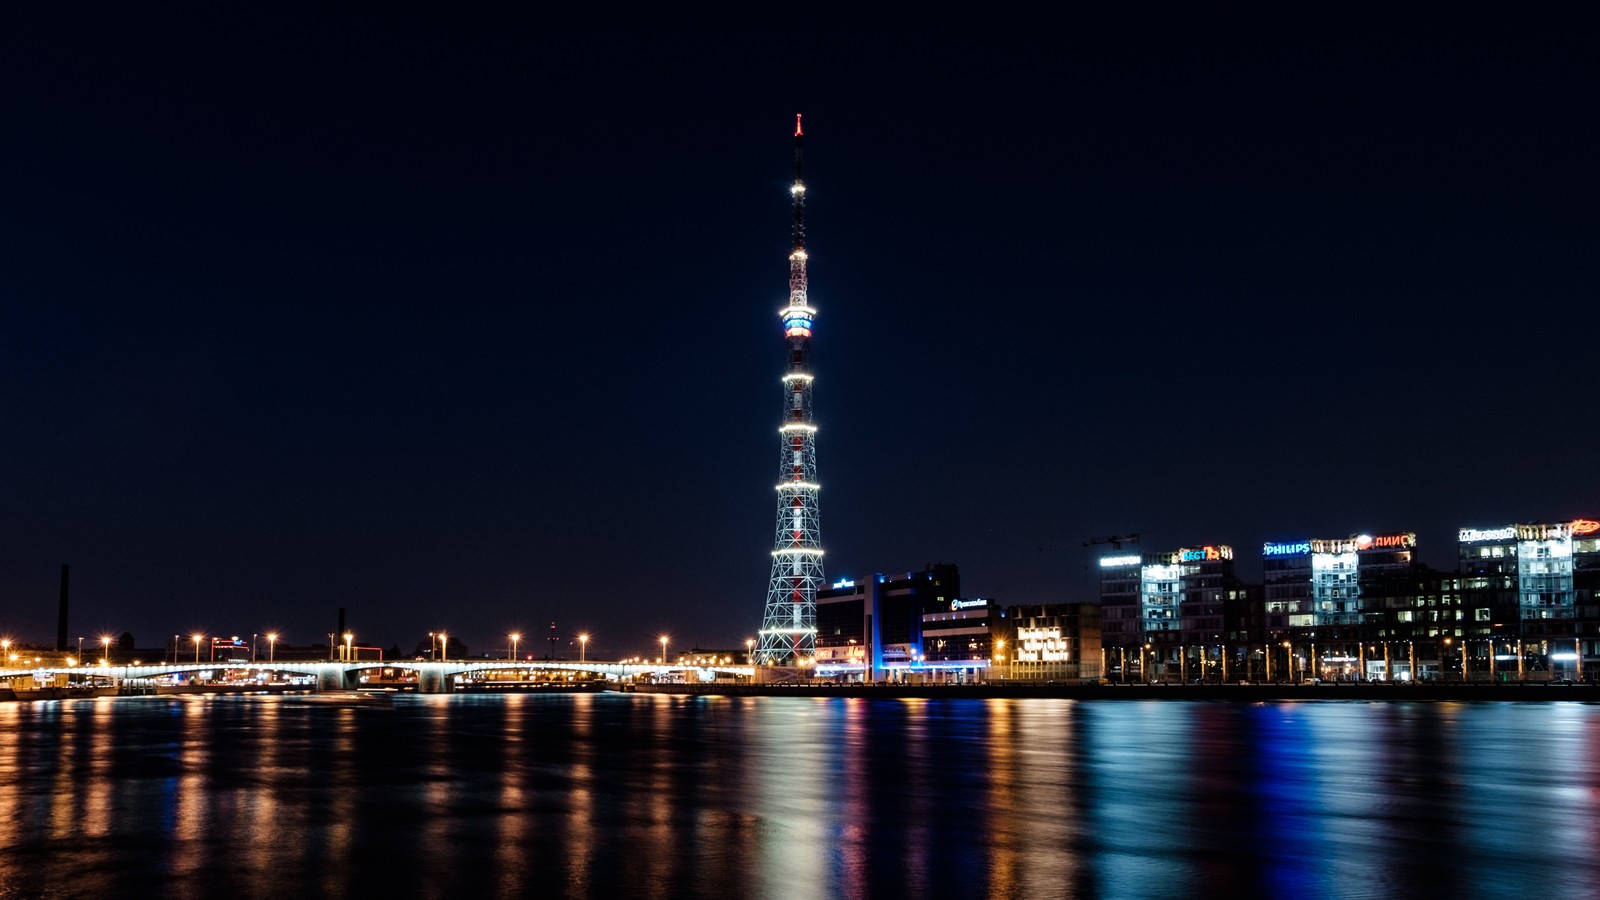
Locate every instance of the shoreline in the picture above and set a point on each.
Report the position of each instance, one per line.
(1582, 692)
(1587, 691)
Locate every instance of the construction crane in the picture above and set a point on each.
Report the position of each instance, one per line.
(1116, 540)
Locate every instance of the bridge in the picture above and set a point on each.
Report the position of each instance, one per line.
(433, 677)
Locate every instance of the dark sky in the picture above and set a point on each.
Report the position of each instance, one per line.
(468, 324)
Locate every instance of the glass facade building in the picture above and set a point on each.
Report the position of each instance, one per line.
(1167, 615)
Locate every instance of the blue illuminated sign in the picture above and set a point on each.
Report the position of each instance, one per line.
(1292, 548)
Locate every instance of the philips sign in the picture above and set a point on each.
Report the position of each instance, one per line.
(1295, 548)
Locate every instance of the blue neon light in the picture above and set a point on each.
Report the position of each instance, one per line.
(1290, 548)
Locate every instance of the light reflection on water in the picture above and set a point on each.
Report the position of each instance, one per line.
(658, 796)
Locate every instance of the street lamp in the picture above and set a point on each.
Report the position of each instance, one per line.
(663, 649)
(272, 645)
(349, 647)
(749, 651)
(197, 638)
(5, 647)
(433, 645)
(105, 643)
(444, 647)
(583, 644)
(515, 636)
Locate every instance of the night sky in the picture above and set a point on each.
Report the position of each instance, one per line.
(471, 325)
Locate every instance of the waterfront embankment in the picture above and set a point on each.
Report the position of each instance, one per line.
(1249, 693)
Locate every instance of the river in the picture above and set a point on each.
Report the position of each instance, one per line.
(614, 795)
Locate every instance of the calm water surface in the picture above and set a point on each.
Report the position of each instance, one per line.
(655, 796)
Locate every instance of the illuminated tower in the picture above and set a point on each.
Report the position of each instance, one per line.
(789, 628)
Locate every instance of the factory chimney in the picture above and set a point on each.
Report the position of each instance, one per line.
(61, 614)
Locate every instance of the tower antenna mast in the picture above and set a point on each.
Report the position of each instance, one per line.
(789, 625)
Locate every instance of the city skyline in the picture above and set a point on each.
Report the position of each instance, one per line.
(354, 315)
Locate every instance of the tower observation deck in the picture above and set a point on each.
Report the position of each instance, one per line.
(789, 627)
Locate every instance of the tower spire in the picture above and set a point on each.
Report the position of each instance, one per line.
(789, 626)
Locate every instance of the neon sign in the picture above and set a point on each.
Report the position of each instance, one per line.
(1285, 549)
(1470, 535)
(1206, 553)
(1403, 541)
(1107, 562)
(1584, 526)
(968, 604)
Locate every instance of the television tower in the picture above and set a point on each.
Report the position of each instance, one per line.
(789, 628)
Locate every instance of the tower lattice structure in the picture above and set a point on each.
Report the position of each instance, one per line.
(789, 627)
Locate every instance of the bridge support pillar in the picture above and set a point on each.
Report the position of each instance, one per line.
(432, 680)
(330, 677)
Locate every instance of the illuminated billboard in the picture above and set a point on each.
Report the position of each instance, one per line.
(1473, 535)
(1403, 541)
(1285, 548)
(1207, 553)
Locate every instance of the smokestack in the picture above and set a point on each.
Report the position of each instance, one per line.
(61, 614)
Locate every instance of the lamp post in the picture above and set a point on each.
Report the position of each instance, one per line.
(272, 645)
(5, 647)
(349, 647)
(197, 639)
(433, 646)
(514, 638)
(749, 651)
(105, 644)
(583, 644)
(444, 647)
(1288, 654)
(663, 649)
(253, 654)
